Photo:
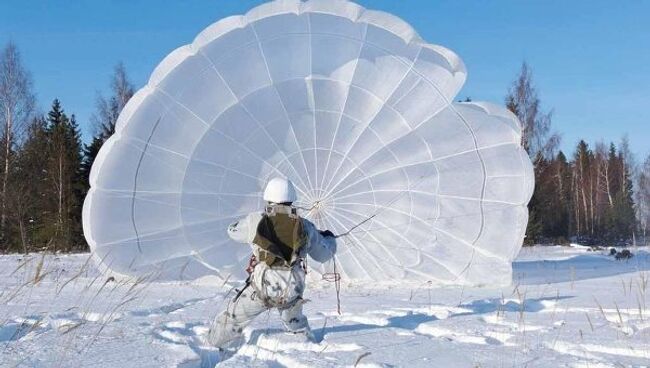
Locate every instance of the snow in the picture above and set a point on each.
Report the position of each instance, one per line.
(567, 307)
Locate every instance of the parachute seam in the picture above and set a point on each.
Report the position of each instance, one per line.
(209, 127)
(414, 246)
(352, 255)
(360, 244)
(427, 193)
(484, 184)
(480, 251)
(480, 157)
(345, 103)
(198, 258)
(275, 88)
(228, 137)
(144, 235)
(129, 141)
(336, 35)
(239, 101)
(406, 73)
(190, 158)
(199, 51)
(427, 162)
(128, 192)
(157, 264)
(409, 132)
(421, 254)
(293, 112)
(313, 99)
(485, 253)
(135, 182)
(426, 219)
(183, 229)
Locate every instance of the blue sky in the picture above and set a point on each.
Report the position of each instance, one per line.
(591, 59)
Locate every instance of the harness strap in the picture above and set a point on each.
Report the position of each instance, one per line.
(239, 292)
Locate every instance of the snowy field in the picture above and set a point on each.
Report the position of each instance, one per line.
(568, 307)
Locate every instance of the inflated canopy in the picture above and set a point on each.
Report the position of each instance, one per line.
(348, 103)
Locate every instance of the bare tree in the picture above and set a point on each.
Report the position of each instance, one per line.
(105, 118)
(604, 172)
(602, 194)
(108, 109)
(523, 100)
(17, 105)
(642, 195)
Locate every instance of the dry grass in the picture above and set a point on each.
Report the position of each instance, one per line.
(591, 325)
(356, 362)
(34, 271)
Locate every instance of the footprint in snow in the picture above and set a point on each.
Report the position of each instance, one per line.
(511, 325)
(178, 332)
(22, 328)
(190, 335)
(166, 309)
(65, 322)
(439, 332)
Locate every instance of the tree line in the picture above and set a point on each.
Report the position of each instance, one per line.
(45, 166)
(596, 194)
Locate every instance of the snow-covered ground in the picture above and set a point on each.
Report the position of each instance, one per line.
(568, 307)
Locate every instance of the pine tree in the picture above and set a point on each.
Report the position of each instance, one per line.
(622, 218)
(28, 202)
(78, 187)
(64, 165)
(549, 208)
(561, 215)
(90, 152)
(582, 188)
(535, 227)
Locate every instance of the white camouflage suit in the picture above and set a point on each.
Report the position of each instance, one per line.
(277, 287)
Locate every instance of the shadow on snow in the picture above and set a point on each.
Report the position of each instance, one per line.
(576, 268)
(412, 320)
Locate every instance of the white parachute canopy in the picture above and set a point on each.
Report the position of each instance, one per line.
(349, 104)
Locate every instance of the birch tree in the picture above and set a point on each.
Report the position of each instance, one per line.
(16, 105)
(642, 195)
(108, 109)
(523, 100)
(64, 158)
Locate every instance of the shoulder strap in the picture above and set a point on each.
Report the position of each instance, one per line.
(280, 238)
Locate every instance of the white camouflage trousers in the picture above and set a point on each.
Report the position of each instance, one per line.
(269, 288)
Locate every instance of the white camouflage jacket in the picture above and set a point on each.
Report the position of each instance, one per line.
(281, 286)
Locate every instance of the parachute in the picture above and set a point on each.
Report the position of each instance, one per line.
(349, 104)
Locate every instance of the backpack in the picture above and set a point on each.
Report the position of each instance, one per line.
(280, 237)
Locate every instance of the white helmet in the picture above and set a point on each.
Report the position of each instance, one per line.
(280, 190)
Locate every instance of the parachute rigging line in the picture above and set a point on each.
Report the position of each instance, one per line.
(387, 205)
(335, 277)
